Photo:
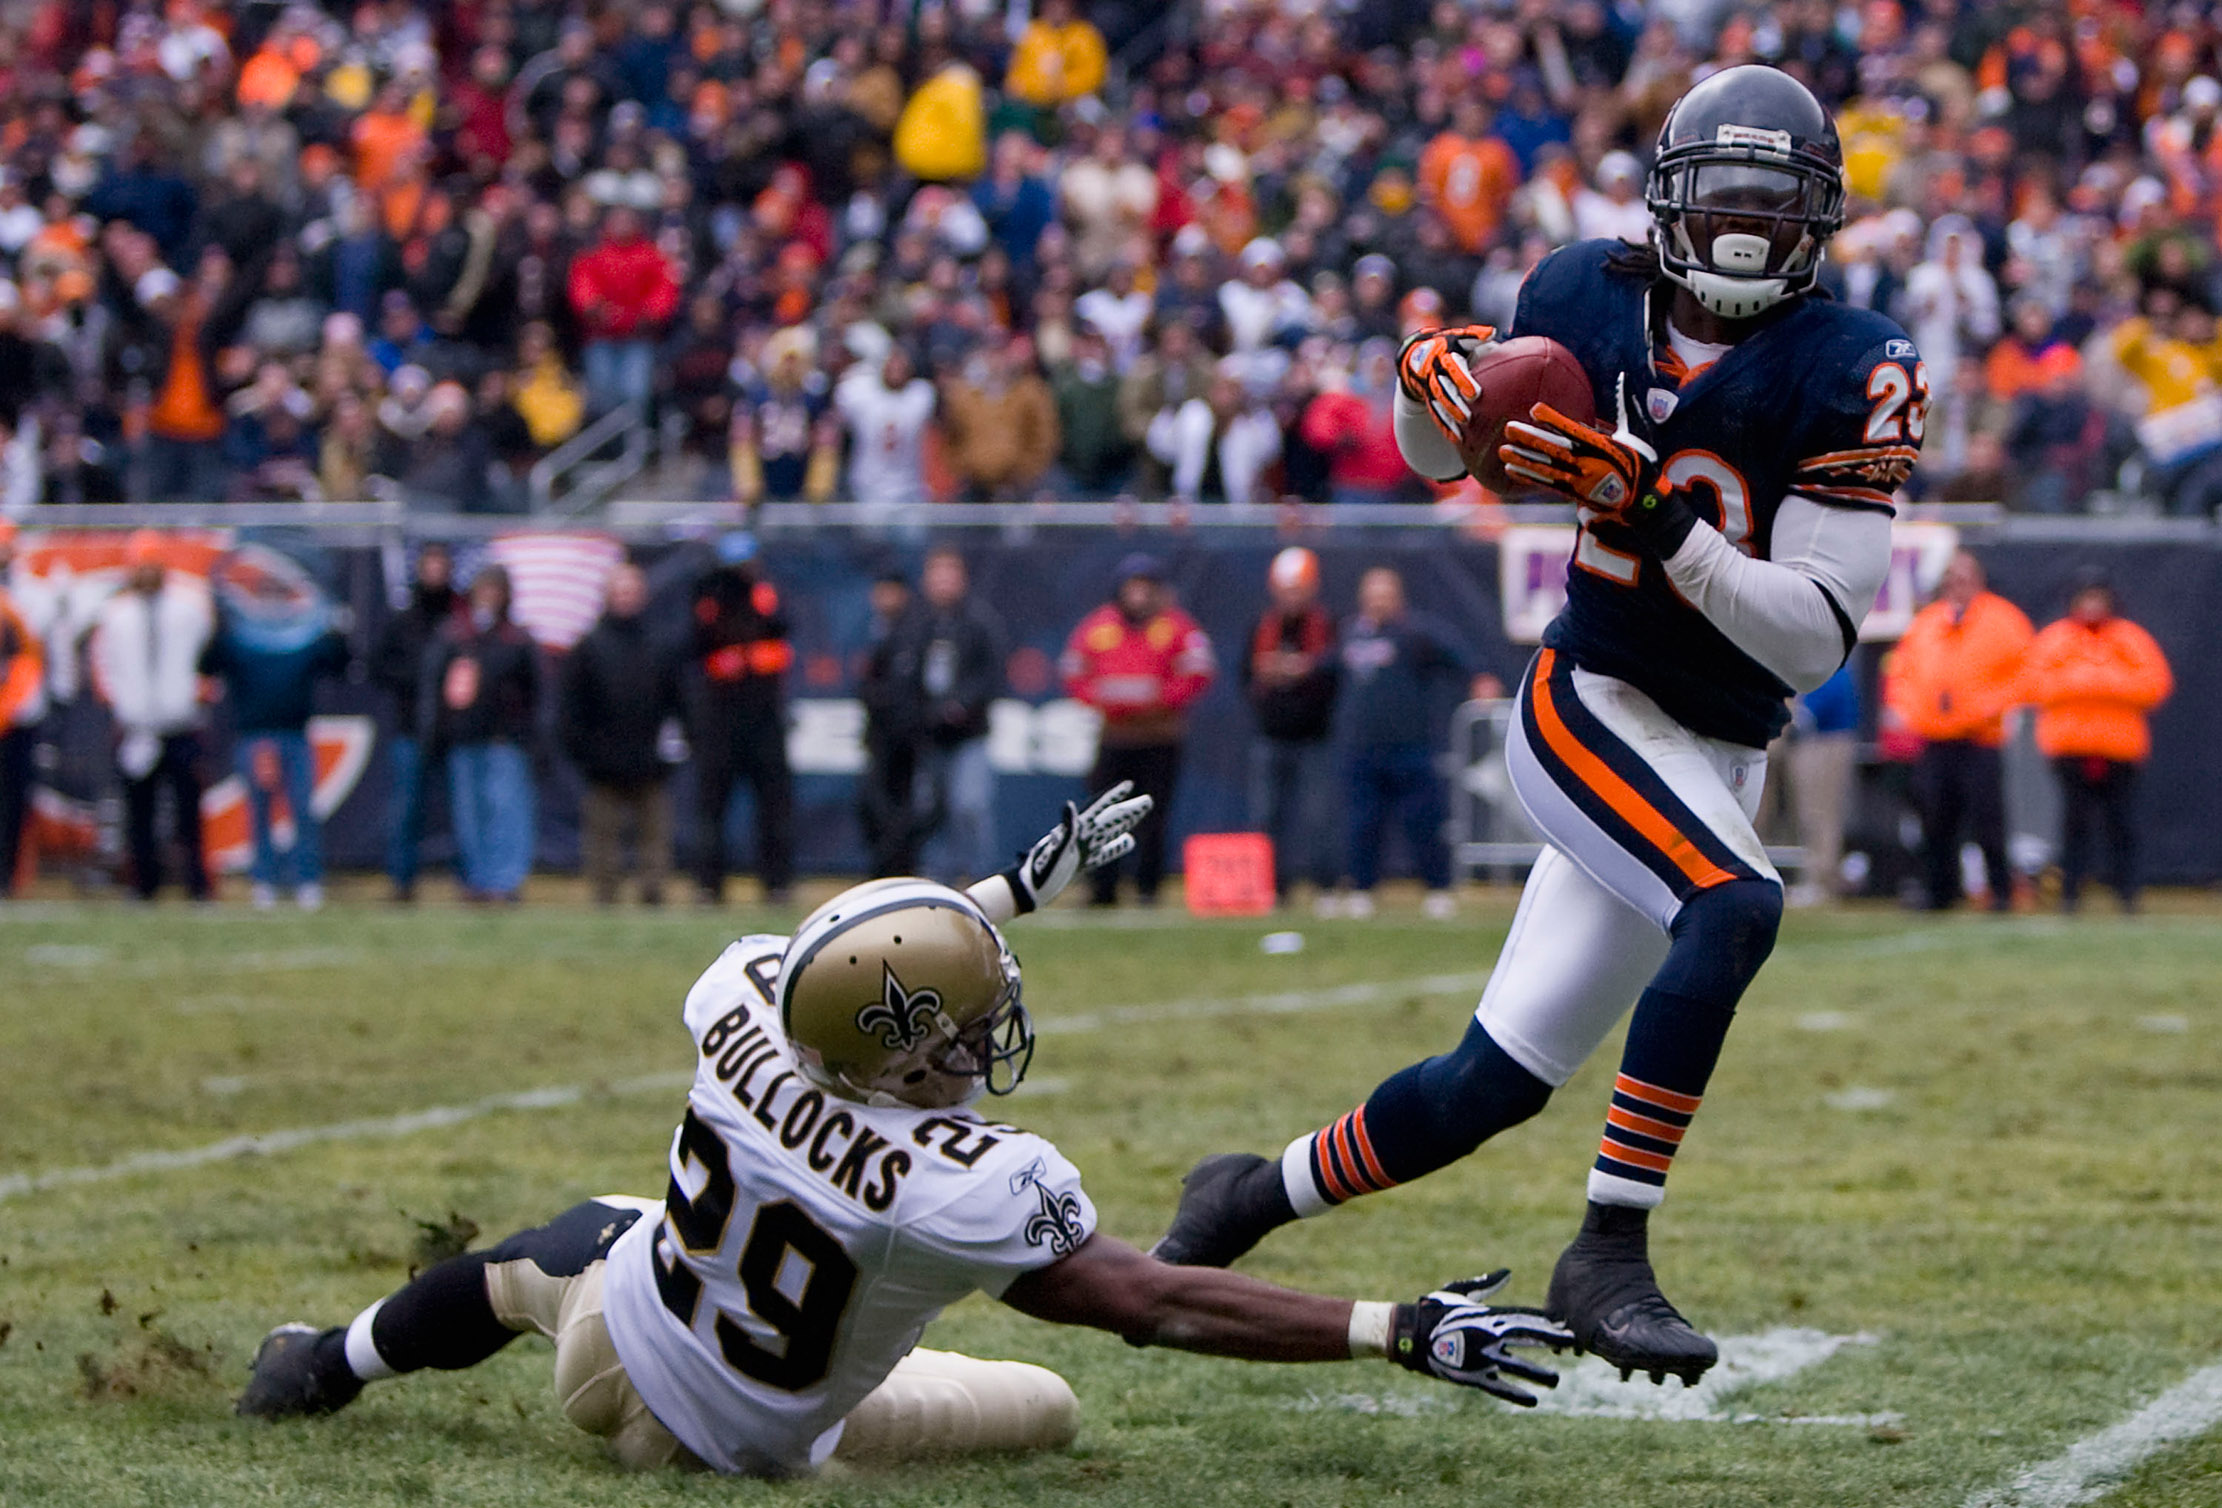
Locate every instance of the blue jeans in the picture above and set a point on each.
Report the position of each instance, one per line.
(1396, 780)
(405, 810)
(490, 785)
(297, 778)
(618, 371)
(1291, 802)
(963, 845)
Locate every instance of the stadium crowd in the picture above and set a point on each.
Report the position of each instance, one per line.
(269, 250)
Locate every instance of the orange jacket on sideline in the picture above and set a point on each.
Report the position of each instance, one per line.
(1140, 676)
(22, 665)
(1952, 678)
(2092, 688)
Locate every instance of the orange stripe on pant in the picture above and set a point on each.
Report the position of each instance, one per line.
(1635, 1157)
(1616, 793)
(1667, 1099)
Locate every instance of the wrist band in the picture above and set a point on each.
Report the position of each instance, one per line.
(1369, 1328)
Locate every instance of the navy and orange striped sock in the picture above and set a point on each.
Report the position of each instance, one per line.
(1333, 1165)
(1643, 1130)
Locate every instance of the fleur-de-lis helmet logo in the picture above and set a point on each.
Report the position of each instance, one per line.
(899, 1016)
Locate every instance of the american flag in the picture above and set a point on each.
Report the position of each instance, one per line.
(557, 581)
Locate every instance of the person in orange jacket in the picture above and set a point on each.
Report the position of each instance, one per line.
(1139, 661)
(1953, 678)
(2093, 677)
(22, 702)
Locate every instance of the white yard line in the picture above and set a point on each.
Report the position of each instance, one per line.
(1592, 1389)
(2095, 1464)
(1367, 992)
(557, 1095)
(375, 1128)
(367, 1129)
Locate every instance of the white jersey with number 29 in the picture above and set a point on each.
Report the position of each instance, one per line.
(807, 1240)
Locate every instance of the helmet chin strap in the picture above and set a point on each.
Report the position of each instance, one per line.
(1725, 292)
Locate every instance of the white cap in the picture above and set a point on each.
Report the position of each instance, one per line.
(1262, 252)
(154, 285)
(2202, 93)
(1294, 567)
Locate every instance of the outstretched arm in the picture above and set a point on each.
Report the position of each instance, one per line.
(1109, 1285)
(1082, 840)
(1448, 1334)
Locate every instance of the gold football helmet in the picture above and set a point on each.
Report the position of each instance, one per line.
(902, 992)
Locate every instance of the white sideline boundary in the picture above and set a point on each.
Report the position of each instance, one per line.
(1590, 1388)
(556, 1096)
(2096, 1464)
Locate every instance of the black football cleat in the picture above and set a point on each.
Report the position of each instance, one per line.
(1228, 1203)
(1604, 1291)
(299, 1370)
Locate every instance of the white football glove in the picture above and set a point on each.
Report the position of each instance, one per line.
(1084, 839)
(1449, 1335)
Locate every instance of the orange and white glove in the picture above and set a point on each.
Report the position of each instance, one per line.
(1435, 369)
(1606, 471)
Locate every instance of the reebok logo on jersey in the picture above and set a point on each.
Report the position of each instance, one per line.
(900, 1017)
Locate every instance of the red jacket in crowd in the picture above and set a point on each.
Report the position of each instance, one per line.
(1358, 438)
(1140, 676)
(622, 290)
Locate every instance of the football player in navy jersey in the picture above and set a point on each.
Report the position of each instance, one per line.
(1735, 527)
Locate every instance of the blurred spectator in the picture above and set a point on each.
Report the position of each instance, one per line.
(1467, 174)
(1823, 750)
(1014, 202)
(22, 708)
(941, 135)
(1139, 661)
(1119, 312)
(1353, 423)
(617, 689)
(552, 405)
(397, 663)
(185, 422)
(948, 653)
(2094, 678)
(1059, 58)
(146, 650)
(1000, 421)
(622, 291)
(1951, 680)
(1614, 208)
(269, 652)
(1951, 311)
(1290, 675)
(1219, 445)
(1094, 455)
(887, 787)
(2172, 351)
(1161, 380)
(479, 704)
(887, 411)
(1400, 673)
(1107, 198)
(740, 722)
(785, 446)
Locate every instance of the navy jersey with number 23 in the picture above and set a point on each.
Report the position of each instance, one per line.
(1823, 400)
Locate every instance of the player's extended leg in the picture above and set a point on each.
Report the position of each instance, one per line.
(940, 1403)
(1574, 960)
(457, 1313)
(1662, 818)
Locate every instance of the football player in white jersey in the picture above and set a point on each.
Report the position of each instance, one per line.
(832, 1190)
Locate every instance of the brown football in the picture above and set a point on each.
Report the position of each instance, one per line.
(1514, 376)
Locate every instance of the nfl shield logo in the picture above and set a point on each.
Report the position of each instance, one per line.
(1660, 402)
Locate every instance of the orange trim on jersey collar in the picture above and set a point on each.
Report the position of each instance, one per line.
(1616, 792)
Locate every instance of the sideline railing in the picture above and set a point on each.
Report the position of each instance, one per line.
(670, 519)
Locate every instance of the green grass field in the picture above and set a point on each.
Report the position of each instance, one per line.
(1985, 1150)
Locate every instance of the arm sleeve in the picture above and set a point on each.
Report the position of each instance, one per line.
(1799, 613)
(1425, 448)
